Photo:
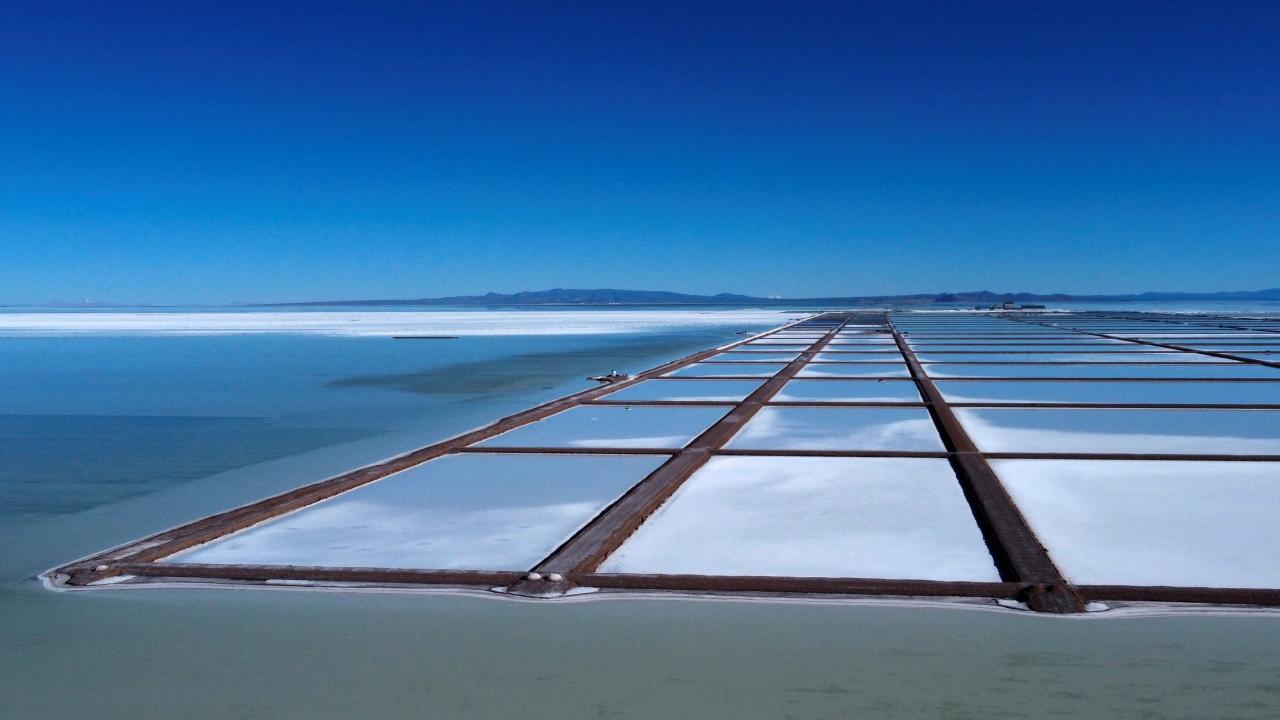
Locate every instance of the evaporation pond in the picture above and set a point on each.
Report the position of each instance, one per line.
(728, 369)
(1129, 431)
(770, 357)
(818, 391)
(598, 426)
(1055, 357)
(839, 428)
(1228, 370)
(475, 511)
(839, 370)
(1126, 522)
(688, 390)
(813, 517)
(1135, 392)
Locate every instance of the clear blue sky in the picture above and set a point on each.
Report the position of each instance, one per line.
(174, 152)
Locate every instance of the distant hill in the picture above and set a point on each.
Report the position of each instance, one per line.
(560, 296)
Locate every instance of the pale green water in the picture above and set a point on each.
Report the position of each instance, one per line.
(293, 654)
(106, 439)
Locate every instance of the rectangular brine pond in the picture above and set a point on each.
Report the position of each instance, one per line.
(727, 369)
(853, 370)
(807, 390)
(1163, 523)
(750, 356)
(474, 512)
(1127, 431)
(1159, 371)
(686, 391)
(813, 517)
(608, 426)
(1169, 356)
(839, 428)
(1187, 392)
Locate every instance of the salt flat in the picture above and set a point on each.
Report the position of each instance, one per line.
(377, 323)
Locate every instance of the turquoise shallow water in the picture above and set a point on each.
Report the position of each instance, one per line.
(107, 439)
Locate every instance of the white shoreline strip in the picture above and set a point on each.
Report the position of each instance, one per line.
(1117, 610)
(377, 324)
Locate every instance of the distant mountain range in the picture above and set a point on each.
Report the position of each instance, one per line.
(560, 296)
